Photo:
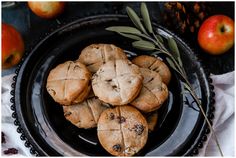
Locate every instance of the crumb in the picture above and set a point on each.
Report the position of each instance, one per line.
(10, 151)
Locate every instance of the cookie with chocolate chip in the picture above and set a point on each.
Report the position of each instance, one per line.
(154, 64)
(117, 82)
(153, 93)
(95, 55)
(122, 131)
(69, 82)
(85, 114)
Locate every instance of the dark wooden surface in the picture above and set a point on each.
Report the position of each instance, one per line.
(34, 28)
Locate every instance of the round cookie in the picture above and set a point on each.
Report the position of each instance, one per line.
(85, 114)
(68, 81)
(122, 131)
(153, 93)
(154, 64)
(95, 55)
(117, 82)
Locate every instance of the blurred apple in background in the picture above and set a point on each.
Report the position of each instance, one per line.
(46, 9)
(12, 46)
(216, 34)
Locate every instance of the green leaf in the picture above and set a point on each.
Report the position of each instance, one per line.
(172, 65)
(170, 62)
(186, 86)
(146, 17)
(134, 37)
(160, 38)
(135, 19)
(174, 48)
(124, 29)
(143, 45)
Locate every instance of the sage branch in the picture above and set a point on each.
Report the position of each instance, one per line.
(146, 39)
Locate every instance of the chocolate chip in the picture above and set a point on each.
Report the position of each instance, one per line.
(114, 87)
(3, 138)
(109, 80)
(121, 119)
(11, 151)
(111, 116)
(117, 147)
(138, 128)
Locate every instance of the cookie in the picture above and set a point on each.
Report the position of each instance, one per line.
(68, 82)
(153, 93)
(154, 64)
(117, 82)
(151, 120)
(85, 114)
(83, 95)
(122, 131)
(95, 55)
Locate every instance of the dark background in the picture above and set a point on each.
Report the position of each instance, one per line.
(34, 28)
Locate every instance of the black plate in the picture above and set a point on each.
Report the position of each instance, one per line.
(181, 128)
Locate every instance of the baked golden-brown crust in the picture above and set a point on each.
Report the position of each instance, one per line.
(67, 81)
(83, 95)
(95, 55)
(85, 114)
(117, 82)
(154, 64)
(153, 93)
(122, 131)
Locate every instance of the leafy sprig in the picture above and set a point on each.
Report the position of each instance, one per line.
(147, 40)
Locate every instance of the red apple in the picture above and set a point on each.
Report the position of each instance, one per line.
(46, 9)
(12, 46)
(216, 34)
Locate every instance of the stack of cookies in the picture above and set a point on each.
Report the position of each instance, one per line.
(104, 89)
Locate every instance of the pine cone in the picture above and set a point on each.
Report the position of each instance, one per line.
(185, 16)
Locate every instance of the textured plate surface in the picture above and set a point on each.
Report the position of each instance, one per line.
(181, 128)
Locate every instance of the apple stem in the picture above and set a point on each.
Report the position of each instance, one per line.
(222, 29)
